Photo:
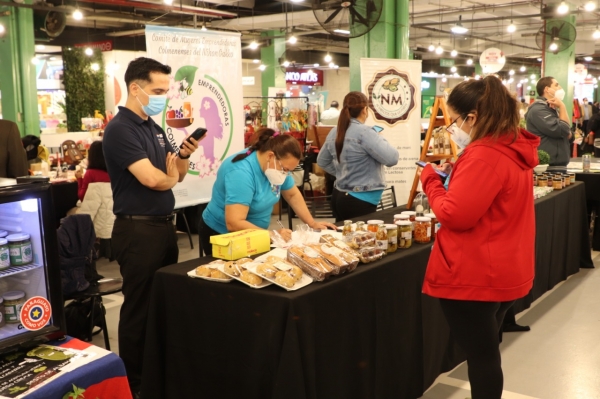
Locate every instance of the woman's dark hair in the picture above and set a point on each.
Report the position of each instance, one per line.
(354, 103)
(283, 145)
(140, 69)
(96, 156)
(496, 109)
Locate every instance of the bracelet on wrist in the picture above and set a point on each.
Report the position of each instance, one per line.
(184, 157)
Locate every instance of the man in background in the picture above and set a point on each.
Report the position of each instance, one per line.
(587, 114)
(13, 159)
(547, 118)
(331, 116)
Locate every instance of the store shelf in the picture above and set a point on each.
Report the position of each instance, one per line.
(18, 269)
(10, 330)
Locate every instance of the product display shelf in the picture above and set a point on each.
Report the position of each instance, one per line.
(18, 269)
(10, 330)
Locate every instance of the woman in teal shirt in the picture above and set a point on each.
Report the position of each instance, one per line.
(250, 183)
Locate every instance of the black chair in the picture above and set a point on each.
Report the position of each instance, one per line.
(319, 207)
(181, 211)
(388, 199)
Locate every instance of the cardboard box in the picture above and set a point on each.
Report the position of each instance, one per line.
(232, 246)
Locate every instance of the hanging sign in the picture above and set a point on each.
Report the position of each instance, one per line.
(307, 77)
(446, 62)
(105, 45)
(492, 60)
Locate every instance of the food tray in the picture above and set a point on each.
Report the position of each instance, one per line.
(303, 282)
(264, 284)
(192, 273)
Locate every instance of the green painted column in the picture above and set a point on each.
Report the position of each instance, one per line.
(561, 66)
(18, 78)
(387, 39)
(274, 75)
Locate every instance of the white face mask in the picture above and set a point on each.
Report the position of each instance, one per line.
(459, 136)
(275, 177)
(559, 94)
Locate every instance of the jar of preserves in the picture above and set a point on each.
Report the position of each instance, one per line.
(562, 179)
(373, 225)
(567, 178)
(542, 181)
(3, 233)
(21, 251)
(347, 230)
(404, 234)
(360, 226)
(400, 217)
(423, 230)
(572, 177)
(557, 183)
(381, 237)
(392, 233)
(434, 224)
(13, 302)
(4, 254)
(534, 179)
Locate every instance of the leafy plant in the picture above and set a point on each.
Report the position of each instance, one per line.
(84, 86)
(544, 157)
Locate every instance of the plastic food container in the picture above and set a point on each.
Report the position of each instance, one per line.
(21, 251)
(4, 254)
(13, 302)
(423, 230)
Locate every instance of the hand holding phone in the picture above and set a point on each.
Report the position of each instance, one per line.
(197, 135)
(439, 172)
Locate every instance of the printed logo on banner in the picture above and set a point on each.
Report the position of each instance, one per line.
(391, 96)
(190, 99)
(35, 313)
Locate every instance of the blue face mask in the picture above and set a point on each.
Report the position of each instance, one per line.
(156, 103)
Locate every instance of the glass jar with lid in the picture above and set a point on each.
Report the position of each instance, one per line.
(392, 233)
(572, 177)
(567, 178)
(421, 204)
(411, 215)
(400, 217)
(423, 230)
(21, 251)
(434, 224)
(347, 230)
(381, 237)
(542, 181)
(13, 302)
(4, 254)
(360, 226)
(535, 177)
(557, 183)
(373, 225)
(404, 234)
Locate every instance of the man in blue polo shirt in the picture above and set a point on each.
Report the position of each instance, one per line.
(143, 168)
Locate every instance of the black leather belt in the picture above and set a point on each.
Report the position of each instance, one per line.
(163, 219)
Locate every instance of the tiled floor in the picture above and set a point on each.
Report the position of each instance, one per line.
(558, 359)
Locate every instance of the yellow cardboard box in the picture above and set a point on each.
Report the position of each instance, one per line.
(232, 246)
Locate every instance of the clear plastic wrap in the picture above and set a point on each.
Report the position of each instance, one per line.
(370, 254)
(362, 239)
(336, 256)
(310, 262)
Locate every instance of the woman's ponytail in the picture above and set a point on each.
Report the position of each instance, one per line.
(354, 103)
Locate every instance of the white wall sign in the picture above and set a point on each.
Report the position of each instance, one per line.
(492, 60)
(248, 80)
(205, 92)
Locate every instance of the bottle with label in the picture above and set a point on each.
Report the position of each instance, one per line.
(404, 234)
(423, 230)
(392, 233)
(347, 230)
(4, 254)
(586, 160)
(382, 237)
(360, 226)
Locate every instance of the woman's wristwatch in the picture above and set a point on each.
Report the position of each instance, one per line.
(184, 157)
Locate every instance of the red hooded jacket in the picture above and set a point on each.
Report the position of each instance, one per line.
(485, 249)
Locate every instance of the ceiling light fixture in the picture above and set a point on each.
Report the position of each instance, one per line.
(458, 28)
(331, 65)
(532, 77)
(35, 60)
(439, 49)
(40, 47)
(588, 58)
(477, 77)
(431, 47)
(454, 53)
(470, 61)
(511, 28)
(528, 87)
(316, 64)
(539, 59)
(95, 67)
(444, 80)
(596, 34)
(453, 69)
(327, 58)
(342, 31)
(590, 6)
(519, 85)
(77, 15)
(511, 72)
(89, 52)
(292, 40)
(262, 67)
(286, 63)
(168, 2)
(203, 29)
(2, 29)
(522, 69)
(52, 58)
(253, 45)
(255, 61)
(553, 47)
(562, 9)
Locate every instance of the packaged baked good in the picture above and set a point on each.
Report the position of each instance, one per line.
(210, 270)
(284, 278)
(216, 273)
(328, 238)
(203, 271)
(267, 270)
(336, 256)
(370, 254)
(250, 278)
(362, 239)
(310, 262)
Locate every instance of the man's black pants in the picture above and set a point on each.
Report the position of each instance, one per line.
(141, 247)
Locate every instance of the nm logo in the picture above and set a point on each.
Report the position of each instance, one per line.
(391, 96)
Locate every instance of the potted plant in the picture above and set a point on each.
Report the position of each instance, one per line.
(544, 159)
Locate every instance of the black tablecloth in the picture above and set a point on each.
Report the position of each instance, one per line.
(369, 334)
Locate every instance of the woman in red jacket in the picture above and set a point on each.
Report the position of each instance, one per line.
(96, 170)
(483, 257)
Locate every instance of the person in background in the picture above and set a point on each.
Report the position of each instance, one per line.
(547, 118)
(250, 183)
(477, 278)
(355, 154)
(330, 117)
(96, 170)
(13, 159)
(586, 114)
(143, 168)
(595, 108)
(523, 108)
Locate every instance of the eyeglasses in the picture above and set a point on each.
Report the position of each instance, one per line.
(448, 127)
(283, 170)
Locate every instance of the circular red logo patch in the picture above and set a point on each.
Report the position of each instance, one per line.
(35, 313)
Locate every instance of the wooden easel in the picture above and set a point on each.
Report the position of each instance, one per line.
(434, 122)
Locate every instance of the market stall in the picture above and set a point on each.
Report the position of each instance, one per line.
(370, 333)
